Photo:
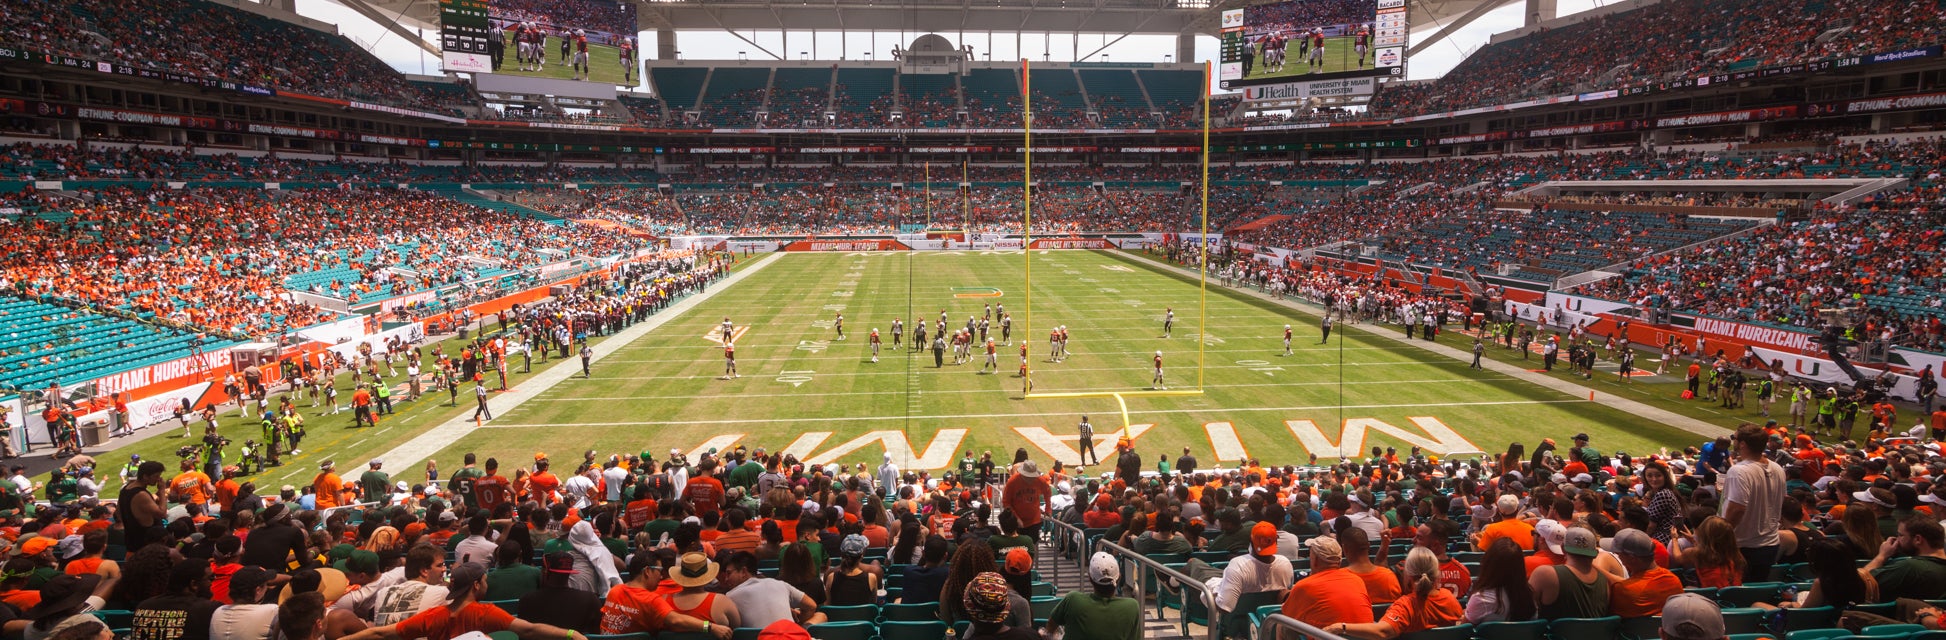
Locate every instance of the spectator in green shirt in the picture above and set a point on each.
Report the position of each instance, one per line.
(1919, 576)
(1236, 534)
(373, 484)
(1010, 536)
(511, 576)
(1097, 614)
(1163, 538)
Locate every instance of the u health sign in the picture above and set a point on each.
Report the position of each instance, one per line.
(1306, 90)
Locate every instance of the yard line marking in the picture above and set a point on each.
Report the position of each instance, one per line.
(445, 434)
(1133, 366)
(967, 416)
(892, 352)
(1327, 383)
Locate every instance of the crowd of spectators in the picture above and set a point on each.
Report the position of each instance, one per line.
(180, 257)
(1664, 41)
(1649, 44)
(1697, 541)
(208, 40)
(792, 108)
(1870, 254)
(930, 109)
(646, 111)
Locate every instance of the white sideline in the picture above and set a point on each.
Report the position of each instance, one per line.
(437, 438)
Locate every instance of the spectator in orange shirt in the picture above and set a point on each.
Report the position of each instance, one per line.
(1428, 606)
(1026, 495)
(542, 486)
(1381, 584)
(191, 486)
(1509, 526)
(1330, 595)
(327, 486)
(1648, 585)
(226, 489)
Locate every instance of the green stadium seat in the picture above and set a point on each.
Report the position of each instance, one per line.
(1643, 628)
(1585, 628)
(843, 631)
(905, 630)
(1891, 630)
(1456, 632)
(1529, 630)
(860, 613)
(920, 612)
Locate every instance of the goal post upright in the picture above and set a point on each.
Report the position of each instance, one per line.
(1202, 269)
(1027, 243)
(1027, 209)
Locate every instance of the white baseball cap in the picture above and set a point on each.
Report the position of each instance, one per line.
(1103, 569)
(1553, 534)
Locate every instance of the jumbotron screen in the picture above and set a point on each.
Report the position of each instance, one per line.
(586, 40)
(1303, 40)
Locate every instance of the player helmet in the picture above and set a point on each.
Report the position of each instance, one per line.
(1287, 326)
(1158, 354)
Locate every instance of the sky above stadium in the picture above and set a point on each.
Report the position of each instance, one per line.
(1434, 62)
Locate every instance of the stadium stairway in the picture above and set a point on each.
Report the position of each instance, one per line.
(487, 200)
(1070, 574)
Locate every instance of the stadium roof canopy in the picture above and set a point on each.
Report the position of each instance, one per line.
(1172, 17)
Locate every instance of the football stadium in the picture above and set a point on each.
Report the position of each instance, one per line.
(1031, 320)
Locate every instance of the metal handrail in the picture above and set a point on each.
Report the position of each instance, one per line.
(1077, 538)
(1135, 563)
(1281, 620)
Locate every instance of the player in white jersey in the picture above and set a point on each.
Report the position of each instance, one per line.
(729, 330)
(898, 332)
(839, 325)
(1157, 383)
(1006, 329)
(874, 341)
(1168, 321)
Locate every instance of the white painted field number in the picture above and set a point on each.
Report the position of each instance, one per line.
(1263, 366)
(813, 346)
(795, 378)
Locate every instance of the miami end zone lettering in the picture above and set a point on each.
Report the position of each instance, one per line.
(1439, 439)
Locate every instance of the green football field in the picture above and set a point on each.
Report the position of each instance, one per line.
(603, 59)
(1339, 55)
(803, 391)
